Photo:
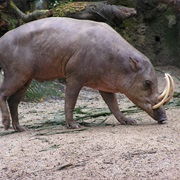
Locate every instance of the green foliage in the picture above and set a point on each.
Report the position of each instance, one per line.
(54, 4)
(10, 22)
(127, 3)
(68, 7)
(58, 2)
(40, 91)
(176, 101)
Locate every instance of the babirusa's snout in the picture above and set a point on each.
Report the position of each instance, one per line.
(167, 94)
(160, 115)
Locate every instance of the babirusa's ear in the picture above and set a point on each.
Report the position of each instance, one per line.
(134, 64)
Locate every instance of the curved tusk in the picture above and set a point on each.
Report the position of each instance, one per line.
(166, 93)
(171, 93)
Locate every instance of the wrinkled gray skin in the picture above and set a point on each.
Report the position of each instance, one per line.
(86, 53)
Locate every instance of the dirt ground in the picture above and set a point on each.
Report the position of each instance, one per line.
(112, 151)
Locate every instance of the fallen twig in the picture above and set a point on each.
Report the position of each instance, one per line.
(4, 133)
(60, 132)
(143, 152)
(64, 166)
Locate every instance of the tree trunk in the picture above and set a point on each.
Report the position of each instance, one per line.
(31, 16)
(97, 11)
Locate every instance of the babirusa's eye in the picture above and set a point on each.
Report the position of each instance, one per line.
(147, 85)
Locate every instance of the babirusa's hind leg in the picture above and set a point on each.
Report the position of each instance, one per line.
(10, 85)
(13, 102)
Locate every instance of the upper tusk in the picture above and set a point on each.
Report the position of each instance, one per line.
(165, 89)
(171, 93)
(166, 93)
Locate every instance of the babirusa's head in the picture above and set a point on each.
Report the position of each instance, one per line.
(144, 90)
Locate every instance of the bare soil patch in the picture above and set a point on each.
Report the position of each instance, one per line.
(102, 149)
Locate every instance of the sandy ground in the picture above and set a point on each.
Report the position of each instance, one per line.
(143, 151)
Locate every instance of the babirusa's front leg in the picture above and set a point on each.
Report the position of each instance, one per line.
(111, 101)
(71, 95)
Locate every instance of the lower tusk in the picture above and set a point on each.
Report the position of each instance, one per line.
(166, 93)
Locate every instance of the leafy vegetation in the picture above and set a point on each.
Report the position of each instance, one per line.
(40, 91)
